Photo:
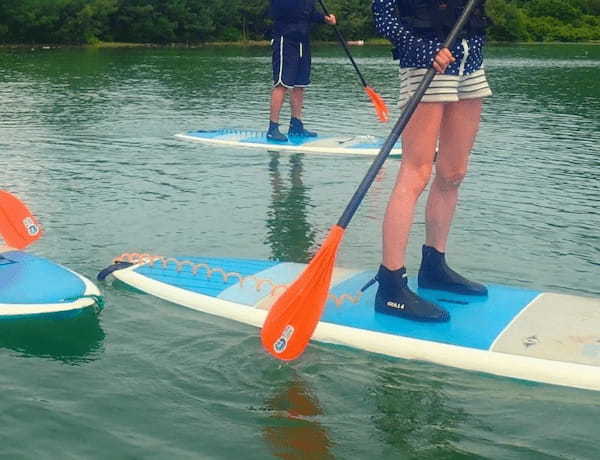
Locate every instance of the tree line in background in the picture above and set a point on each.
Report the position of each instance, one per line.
(198, 21)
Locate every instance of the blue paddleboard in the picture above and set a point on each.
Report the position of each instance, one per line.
(514, 332)
(32, 286)
(347, 145)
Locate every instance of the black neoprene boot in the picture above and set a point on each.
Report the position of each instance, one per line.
(434, 273)
(274, 134)
(297, 129)
(395, 298)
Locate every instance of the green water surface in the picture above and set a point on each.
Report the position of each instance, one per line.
(86, 139)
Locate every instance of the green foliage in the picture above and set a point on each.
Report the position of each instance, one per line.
(591, 7)
(541, 29)
(87, 21)
(196, 21)
(562, 10)
(355, 20)
(508, 21)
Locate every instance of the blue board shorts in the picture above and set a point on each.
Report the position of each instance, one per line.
(291, 62)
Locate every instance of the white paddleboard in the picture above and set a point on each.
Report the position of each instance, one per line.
(347, 145)
(513, 332)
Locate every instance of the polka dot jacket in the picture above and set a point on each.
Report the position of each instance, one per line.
(414, 51)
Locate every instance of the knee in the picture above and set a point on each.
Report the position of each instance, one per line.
(451, 179)
(415, 179)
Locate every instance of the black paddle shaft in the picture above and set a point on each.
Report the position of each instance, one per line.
(343, 42)
(403, 120)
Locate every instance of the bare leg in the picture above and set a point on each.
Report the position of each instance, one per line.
(459, 127)
(418, 150)
(277, 98)
(297, 102)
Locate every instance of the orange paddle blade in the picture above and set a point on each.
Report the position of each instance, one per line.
(17, 226)
(294, 316)
(379, 104)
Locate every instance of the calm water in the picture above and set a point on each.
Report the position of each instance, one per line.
(86, 139)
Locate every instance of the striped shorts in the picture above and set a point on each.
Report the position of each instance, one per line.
(443, 88)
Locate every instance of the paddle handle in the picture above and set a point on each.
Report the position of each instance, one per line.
(343, 42)
(403, 120)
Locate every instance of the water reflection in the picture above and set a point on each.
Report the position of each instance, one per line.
(293, 431)
(290, 234)
(70, 340)
(413, 414)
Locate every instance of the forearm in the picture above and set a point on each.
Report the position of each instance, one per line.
(417, 50)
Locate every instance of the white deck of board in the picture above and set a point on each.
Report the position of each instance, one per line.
(322, 146)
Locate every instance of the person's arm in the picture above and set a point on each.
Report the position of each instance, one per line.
(419, 52)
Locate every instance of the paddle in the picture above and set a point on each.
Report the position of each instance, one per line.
(294, 316)
(378, 102)
(17, 226)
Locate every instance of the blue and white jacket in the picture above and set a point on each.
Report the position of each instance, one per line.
(293, 18)
(414, 51)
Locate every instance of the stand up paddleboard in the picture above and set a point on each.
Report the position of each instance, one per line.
(513, 332)
(348, 145)
(32, 286)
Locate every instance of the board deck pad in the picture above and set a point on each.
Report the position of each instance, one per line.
(28, 282)
(25, 278)
(476, 321)
(350, 144)
(513, 331)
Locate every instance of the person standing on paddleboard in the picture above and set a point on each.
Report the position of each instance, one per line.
(292, 61)
(446, 119)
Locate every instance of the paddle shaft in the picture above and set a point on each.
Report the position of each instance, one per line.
(403, 120)
(343, 42)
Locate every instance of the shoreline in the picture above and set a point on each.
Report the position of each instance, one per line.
(248, 43)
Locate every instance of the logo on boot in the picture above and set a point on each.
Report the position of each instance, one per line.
(397, 306)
